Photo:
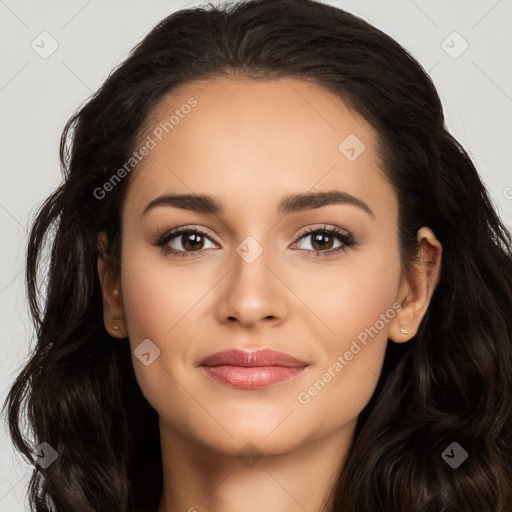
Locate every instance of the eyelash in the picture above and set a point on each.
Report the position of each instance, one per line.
(346, 237)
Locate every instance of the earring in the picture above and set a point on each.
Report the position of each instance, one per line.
(116, 327)
(403, 330)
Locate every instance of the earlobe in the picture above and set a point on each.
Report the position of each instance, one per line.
(420, 282)
(113, 313)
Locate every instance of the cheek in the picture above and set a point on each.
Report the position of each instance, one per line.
(157, 296)
(159, 304)
(357, 311)
(351, 296)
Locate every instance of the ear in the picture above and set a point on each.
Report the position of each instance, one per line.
(110, 282)
(417, 287)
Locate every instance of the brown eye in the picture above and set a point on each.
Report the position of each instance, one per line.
(326, 241)
(184, 241)
(321, 241)
(191, 241)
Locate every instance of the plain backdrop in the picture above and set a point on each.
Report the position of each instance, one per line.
(465, 46)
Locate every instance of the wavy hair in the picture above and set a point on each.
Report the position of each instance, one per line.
(451, 383)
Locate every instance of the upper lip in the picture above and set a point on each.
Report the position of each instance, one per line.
(263, 357)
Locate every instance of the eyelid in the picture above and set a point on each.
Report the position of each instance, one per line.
(323, 227)
(178, 230)
(347, 238)
(207, 232)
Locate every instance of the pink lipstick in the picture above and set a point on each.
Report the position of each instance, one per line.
(252, 370)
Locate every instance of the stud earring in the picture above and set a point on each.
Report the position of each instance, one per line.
(116, 327)
(403, 330)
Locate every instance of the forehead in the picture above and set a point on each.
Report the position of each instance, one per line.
(252, 142)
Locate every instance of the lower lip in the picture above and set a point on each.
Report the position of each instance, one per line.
(254, 377)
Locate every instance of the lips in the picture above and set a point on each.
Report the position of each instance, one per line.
(250, 359)
(251, 370)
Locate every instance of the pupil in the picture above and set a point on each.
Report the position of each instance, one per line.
(317, 239)
(192, 236)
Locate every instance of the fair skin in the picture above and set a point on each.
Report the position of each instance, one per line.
(249, 144)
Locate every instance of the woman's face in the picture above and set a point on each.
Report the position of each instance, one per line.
(252, 278)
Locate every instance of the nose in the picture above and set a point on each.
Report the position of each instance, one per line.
(253, 292)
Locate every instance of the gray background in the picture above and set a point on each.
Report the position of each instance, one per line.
(38, 95)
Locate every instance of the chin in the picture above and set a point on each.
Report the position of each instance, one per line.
(256, 442)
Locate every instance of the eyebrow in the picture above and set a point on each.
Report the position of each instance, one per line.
(203, 203)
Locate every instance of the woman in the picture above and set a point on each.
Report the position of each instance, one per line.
(277, 282)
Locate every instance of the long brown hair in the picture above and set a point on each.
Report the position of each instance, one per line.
(451, 383)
